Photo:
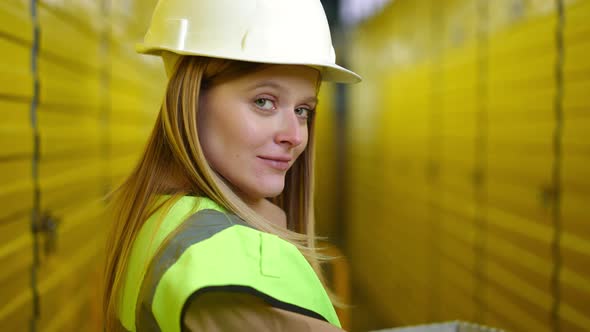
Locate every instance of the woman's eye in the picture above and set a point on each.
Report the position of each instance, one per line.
(303, 112)
(265, 104)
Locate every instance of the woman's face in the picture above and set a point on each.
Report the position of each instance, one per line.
(253, 128)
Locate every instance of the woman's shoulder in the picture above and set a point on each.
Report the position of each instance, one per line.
(213, 250)
(199, 227)
(155, 236)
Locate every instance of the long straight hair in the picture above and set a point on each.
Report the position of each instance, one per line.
(173, 163)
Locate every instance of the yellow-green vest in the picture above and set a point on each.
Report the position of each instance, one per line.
(199, 247)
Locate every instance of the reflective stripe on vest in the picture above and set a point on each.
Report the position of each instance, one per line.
(214, 251)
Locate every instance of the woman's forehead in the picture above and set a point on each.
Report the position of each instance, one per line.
(292, 72)
(282, 77)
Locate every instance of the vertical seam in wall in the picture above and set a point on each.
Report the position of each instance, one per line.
(432, 170)
(480, 171)
(342, 155)
(557, 159)
(35, 212)
(105, 83)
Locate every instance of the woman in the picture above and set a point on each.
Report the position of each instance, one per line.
(214, 228)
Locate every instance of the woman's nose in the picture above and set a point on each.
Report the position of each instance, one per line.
(291, 129)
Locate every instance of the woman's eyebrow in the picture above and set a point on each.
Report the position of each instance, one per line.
(277, 86)
(266, 84)
(312, 99)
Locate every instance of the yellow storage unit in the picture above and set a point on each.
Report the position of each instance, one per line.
(136, 91)
(389, 130)
(456, 117)
(326, 177)
(70, 171)
(360, 137)
(16, 153)
(76, 106)
(136, 86)
(574, 276)
(467, 193)
(520, 161)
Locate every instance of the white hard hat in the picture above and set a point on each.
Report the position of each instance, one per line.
(267, 31)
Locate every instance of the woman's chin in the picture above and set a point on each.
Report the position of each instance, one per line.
(269, 190)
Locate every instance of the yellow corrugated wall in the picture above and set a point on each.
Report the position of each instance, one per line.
(468, 163)
(76, 105)
(16, 150)
(326, 163)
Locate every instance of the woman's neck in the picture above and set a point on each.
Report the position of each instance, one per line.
(262, 206)
(269, 211)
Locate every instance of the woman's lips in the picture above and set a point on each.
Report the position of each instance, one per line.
(279, 163)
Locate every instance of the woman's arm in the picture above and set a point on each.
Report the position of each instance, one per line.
(224, 311)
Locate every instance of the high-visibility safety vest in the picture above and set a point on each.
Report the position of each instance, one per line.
(199, 247)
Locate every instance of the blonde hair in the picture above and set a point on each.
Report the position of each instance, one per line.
(174, 153)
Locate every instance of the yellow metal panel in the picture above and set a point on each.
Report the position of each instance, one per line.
(576, 31)
(576, 54)
(124, 102)
(529, 133)
(16, 192)
(16, 259)
(128, 141)
(576, 93)
(575, 238)
(59, 138)
(15, 256)
(65, 84)
(84, 14)
(575, 286)
(519, 137)
(451, 123)
(537, 69)
(15, 130)
(526, 37)
(121, 166)
(458, 183)
(521, 269)
(523, 200)
(415, 125)
(72, 186)
(504, 309)
(72, 314)
(60, 33)
(576, 254)
(454, 149)
(507, 98)
(15, 69)
(71, 171)
(16, 148)
(509, 163)
(503, 14)
(460, 257)
(66, 272)
(388, 130)
(16, 20)
(326, 165)
(459, 303)
(460, 24)
(527, 259)
(575, 170)
(72, 167)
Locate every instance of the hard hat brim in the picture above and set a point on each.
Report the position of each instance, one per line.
(330, 72)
